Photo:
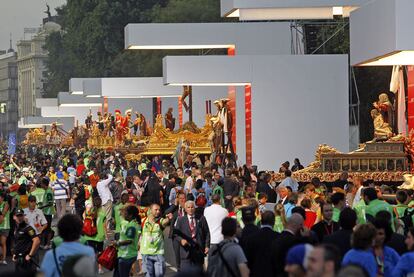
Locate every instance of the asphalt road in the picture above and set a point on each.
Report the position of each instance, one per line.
(169, 256)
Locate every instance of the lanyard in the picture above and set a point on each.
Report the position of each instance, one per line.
(328, 232)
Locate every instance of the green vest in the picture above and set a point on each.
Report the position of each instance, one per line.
(48, 199)
(130, 231)
(5, 225)
(118, 218)
(100, 222)
(39, 193)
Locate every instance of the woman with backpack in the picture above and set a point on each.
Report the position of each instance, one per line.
(94, 227)
(128, 241)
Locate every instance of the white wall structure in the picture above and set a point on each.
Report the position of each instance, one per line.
(288, 9)
(298, 102)
(381, 33)
(248, 38)
(66, 123)
(76, 85)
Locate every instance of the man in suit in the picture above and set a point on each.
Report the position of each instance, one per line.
(291, 236)
(342, 238)
(178, 211)
(194, 238)
(248, 217)
(258, 247)
(282, 195)
(265, 187)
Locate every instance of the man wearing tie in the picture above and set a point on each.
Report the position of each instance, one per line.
(178, 211)
(194, 237)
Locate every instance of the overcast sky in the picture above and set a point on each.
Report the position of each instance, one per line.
(15, 15)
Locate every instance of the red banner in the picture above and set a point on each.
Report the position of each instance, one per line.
(232, 103)
(410, 107)
(248, 123)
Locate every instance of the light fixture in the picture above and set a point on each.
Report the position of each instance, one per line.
(247, 10)
(224, 84)
(179, 47)
(380, 34)
(67, 100)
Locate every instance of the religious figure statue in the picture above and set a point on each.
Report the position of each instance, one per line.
(216, 135)
(382, 130)
(141, 122)
(88, 120)
(126, 123)
(187, 91)
(226, 119)
(384, 106)
(169, 120)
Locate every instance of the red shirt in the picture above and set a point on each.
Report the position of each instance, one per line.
(310, 219)
(79, 169)
(94, 179)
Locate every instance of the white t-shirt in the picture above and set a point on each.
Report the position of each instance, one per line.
(35, 218)
(214, 216)
(104, 191)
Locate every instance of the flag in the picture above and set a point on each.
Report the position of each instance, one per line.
(12, 144)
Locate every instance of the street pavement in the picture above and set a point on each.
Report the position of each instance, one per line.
(169, 256)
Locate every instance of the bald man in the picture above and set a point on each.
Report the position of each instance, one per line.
(293, 234)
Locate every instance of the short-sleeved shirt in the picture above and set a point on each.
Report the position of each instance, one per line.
(35, 218)
(39, 193)
(234, 255)
(118, 217)
(65, 250)
(23, 238)
(48, 200)
(130, 231)
(152, 241)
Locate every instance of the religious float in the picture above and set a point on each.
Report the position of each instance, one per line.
(386, 158)
(135, 138)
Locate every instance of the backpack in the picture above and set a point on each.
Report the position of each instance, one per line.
(217, 264)
(89, 227)
(407, 219)
(201, 200)
(131, 197)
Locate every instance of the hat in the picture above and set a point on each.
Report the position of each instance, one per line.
(248, 213)
(25, 169)
(117, 111)
(298, 255)
(128, 111)
(19, 212)
(31, 198)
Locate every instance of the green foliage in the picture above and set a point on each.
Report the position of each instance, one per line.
(91, 43)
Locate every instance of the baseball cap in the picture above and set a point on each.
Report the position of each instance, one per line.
(299, 254)
(19, 212)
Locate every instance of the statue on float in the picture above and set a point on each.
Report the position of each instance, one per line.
(53, 135)
(382, 130)
(181, 153)
(220, 137)
(169, 120)
(386, 109)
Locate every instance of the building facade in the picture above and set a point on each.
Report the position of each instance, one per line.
(8, 94)
(31, 64)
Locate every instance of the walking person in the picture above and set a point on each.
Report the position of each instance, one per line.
(4, 225)
(194, 238)
(128, 241)
(26, 244)
(152, 242)
(61, 192)
(106, 196)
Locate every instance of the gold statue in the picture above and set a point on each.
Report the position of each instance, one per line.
(385, 108)
(382, 130)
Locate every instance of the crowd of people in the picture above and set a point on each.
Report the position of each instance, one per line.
(78, 203)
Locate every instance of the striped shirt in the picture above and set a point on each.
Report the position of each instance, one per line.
(59, 188)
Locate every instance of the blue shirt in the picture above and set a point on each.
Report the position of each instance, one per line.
(208, 191)
(63, 251)
(405, 266)
(364, 259)
(288, 209)
(391, 259)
